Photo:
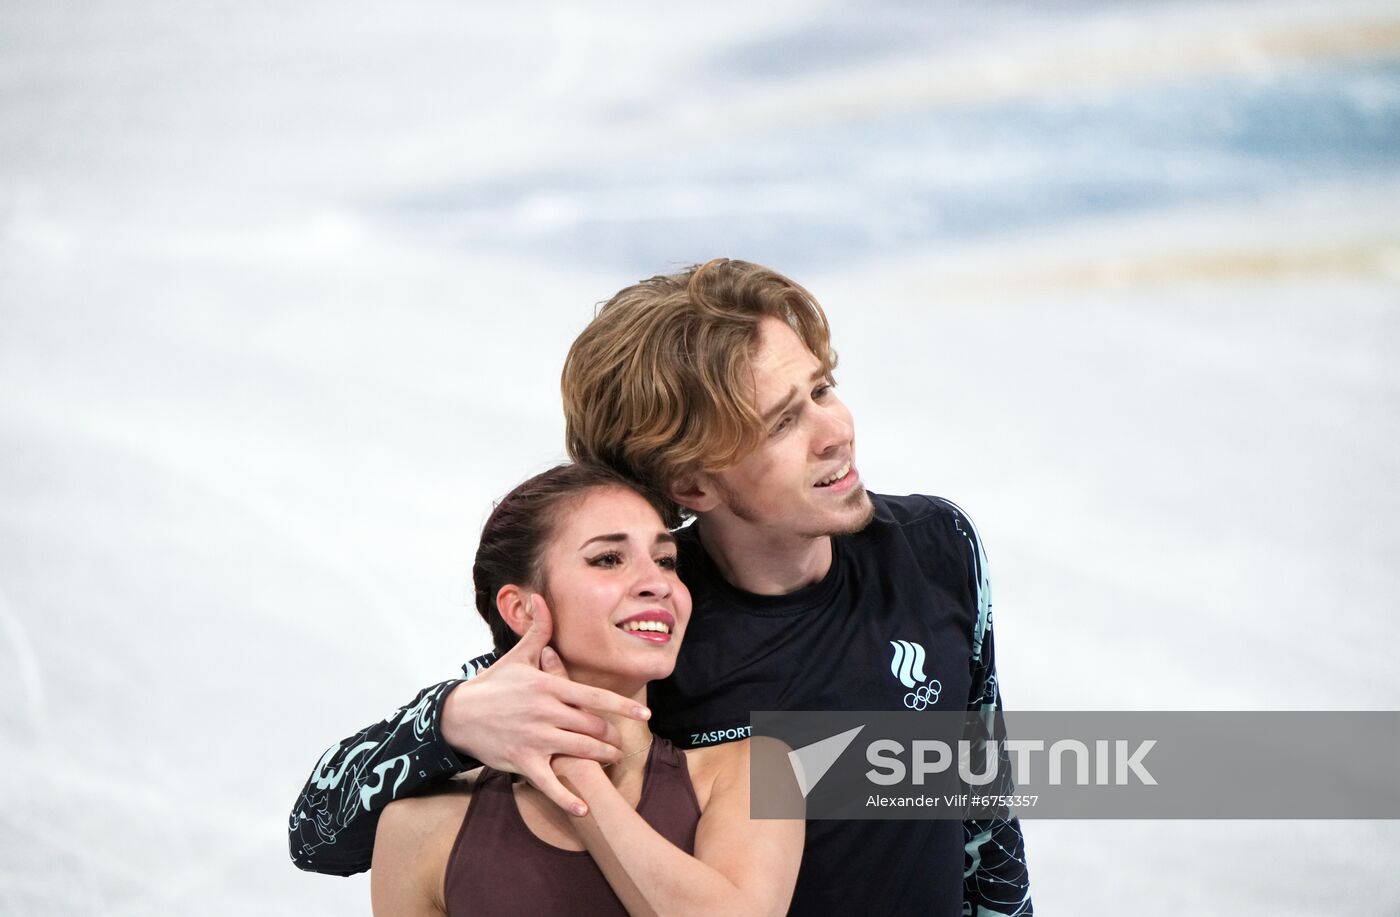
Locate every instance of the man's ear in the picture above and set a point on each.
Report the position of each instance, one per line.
(513, 603)
(697, 492)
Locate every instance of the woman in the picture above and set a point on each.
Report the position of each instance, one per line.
(666, 831)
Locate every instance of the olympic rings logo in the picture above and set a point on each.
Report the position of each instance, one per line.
(922, 696)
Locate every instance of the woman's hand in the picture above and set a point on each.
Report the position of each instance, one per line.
(523, 711)
(576, 773)
(741, 865)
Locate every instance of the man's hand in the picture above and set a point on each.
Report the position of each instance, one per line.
(514, 716)
(572, 772)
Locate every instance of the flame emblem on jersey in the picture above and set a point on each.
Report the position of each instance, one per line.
(908, 662)
(908, 666)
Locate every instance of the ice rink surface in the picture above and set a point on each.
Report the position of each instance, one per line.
(285, 290)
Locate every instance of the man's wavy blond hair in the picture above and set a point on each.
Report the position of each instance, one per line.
(660, 384)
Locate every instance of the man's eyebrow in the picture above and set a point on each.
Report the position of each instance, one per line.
(776, 411)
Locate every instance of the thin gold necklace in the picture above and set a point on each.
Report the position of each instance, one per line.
(632, 754)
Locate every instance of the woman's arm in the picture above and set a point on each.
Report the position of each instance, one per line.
(741, 865)
(411, 847)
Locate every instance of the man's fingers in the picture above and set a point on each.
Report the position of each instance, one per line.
(571, 719)
(580, 746)
(540, 615)
(541, 624)
(547, 783)
(600, 700)
(536, 636)
(551, 664)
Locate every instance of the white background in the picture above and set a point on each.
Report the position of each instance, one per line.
(285, 290)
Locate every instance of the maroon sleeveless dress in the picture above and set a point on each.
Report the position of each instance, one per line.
(499, 867)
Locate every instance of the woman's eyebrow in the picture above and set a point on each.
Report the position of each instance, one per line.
(612, 539)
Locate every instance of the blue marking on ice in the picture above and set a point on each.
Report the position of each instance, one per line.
(803, 197)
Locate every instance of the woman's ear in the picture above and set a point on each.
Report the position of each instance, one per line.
(696, 492)
(513, 602)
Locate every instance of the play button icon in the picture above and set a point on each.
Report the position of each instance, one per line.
(811, 762)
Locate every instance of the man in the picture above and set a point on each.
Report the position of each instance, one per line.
(715, 386)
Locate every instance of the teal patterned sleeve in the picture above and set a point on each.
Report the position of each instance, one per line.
(332, 824)
(996, 882)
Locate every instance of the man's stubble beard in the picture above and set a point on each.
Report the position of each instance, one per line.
(857, 497)
(745, 512)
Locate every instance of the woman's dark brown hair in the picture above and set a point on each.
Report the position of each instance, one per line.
(520, 526)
